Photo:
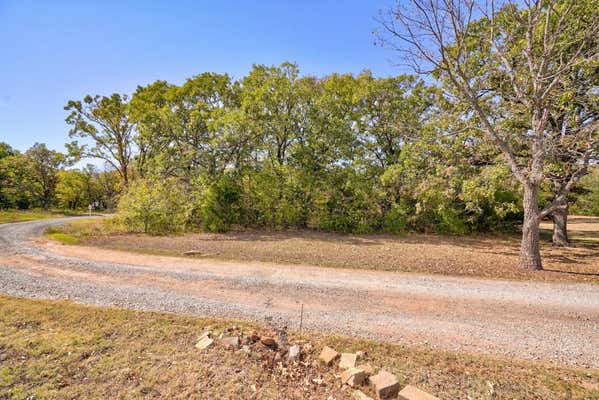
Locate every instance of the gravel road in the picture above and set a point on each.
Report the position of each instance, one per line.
(551, 321)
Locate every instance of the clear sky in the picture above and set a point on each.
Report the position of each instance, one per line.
(53, 51)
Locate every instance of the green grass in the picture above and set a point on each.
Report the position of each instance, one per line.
(64, 238)
(7, 216)
(59, 350)
(77, 232)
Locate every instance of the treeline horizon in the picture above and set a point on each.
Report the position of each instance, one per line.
(345, 152)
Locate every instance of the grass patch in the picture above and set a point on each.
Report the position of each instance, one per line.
(7, 216)
(64, 238)
(51, 349)
(78, 232)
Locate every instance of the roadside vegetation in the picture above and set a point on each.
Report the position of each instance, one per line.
(58, 350)
(12, 215)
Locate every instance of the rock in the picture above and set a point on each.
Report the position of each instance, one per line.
(192, 253)
(206, 333)
(413, 393)
(385, 384)
(358, 395)
(347, 360)
(353, 377)
(246, 349)
(317, 381)
(328, 355)
(254, 337)
(294, 353)
(230, 342)
(368, 369)
(269, 341)
(204, 343)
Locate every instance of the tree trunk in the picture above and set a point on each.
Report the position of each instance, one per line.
(530, 251)
(560, 225)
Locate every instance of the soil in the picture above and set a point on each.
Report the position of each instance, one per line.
(483, 256)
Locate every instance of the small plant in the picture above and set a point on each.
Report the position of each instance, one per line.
(152, 206)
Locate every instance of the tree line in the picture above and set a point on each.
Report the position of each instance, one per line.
(496, 129)
(43, 178)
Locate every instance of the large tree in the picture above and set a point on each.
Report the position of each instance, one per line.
(44, 165)
(507, 64)
(106, 122)
(181, 129)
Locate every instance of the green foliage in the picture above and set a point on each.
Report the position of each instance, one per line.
(220, 208)
(154, 207)
(105, 121)
(41, 166)
(15, 179)
(70, 190)
(587, 196)
(348, 153)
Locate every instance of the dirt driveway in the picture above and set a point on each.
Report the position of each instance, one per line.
(536, 320)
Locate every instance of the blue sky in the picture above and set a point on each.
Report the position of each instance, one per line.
(53, 51)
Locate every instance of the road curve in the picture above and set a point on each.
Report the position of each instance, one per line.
(551, 321)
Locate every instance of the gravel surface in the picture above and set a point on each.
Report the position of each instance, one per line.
(550, 321)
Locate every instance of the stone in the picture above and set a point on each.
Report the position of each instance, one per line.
(359, 395)
(413, 393)
(347, 360)
(294, 353)
(254, 337)
(204, 343)
(269, 341)
(206, 333)
(353, 377)
(386, 385)
(328, 355)
(192, 253)
(368, 369)
(246, 349)
(230, 342)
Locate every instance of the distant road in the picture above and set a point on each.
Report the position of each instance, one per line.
(551, 321)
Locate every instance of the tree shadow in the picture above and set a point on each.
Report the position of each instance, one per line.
(571, 272)
(479, 241)
(583, 220)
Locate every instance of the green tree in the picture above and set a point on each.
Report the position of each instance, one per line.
(152, 206)
(71, 189)
(104, 120)
(44, 165)
(506, 67)
(15, 179)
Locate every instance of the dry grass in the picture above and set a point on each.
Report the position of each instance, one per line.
(473, 256)
(58, 350)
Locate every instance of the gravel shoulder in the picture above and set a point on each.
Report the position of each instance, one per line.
(550, 321)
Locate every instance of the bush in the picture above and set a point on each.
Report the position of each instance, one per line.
(396, 219)
(153, 206)
(220, 206)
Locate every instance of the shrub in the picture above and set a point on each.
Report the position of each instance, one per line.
(153, 206)
(220, 206)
